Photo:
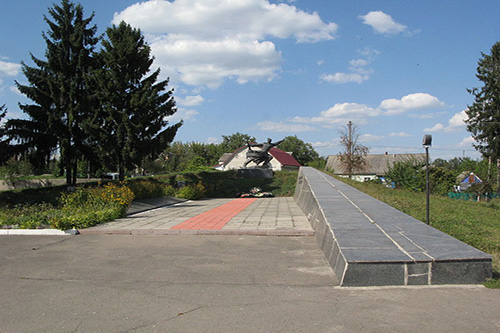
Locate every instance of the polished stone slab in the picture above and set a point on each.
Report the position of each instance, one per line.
(369, 243)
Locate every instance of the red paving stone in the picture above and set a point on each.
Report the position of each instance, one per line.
(217, 217)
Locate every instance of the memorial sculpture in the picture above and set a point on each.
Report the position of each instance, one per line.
(261, 157)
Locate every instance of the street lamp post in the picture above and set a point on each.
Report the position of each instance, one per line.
(427, 142)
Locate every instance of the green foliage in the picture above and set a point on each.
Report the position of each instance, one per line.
(411, 175)
(301, 151)
(5, 147)
(196, 164)
(492, 283)
(441, 180)
(85, 207)
(144, 189)
(484, 114)
(407, 175)
(234, 141)
(318, 163)
(58, 87)
(14, 169)
(127, 88)
(192, 191)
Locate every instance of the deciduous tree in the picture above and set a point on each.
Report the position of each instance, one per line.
(352, 158)
(484, 113)
(301, 151)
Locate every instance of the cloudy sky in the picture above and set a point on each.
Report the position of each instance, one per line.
(398, 69)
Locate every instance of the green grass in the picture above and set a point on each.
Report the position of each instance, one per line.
(474, 223)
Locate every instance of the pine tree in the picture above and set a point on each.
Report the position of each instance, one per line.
(484, 113)
(59, 88)
(133, 104)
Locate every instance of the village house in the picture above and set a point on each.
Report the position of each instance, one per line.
(281, 160)
(376, 166)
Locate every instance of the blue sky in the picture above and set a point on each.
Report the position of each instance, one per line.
(397, 69)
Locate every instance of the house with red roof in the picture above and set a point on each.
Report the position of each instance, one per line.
(281, 160)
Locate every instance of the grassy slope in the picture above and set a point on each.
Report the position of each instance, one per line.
(475, 223)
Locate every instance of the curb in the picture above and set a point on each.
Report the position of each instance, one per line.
(38, 232)
(246, 232)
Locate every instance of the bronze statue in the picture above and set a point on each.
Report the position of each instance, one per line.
(262, 155)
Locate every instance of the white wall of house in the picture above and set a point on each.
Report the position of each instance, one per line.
(239, 159)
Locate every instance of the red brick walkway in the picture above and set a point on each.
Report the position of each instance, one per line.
(216, 218)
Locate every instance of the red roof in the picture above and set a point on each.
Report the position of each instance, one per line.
(283, 157)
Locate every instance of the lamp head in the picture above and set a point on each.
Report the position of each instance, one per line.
(427, 140)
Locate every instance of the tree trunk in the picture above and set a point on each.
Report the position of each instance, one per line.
(498, 174)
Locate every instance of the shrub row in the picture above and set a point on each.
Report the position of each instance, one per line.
(92, 204)
(86, 207)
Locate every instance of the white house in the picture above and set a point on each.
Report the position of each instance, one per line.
(281, 160)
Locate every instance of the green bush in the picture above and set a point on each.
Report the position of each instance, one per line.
(85, 217)
(191, 192)
(80, 209)
(144, 189)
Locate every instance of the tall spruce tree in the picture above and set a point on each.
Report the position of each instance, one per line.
(484, 113)
(133, 104)
(4, 140)
(59, 87)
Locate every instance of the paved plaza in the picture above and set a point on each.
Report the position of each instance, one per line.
(244, 216)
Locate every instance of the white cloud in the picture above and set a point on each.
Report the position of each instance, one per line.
(9, 68)
(15, 90)
(455, 123)
(344, 78)
(458, 120)
(383, 23)
(370, 138)
(411, 102)
(190, 100)
(358, 62)
(340, 113)
(272, 126)
(369, 52)
(357, 71)
(436, 128)
(182, 114)
(326, 144)
(467, 142)
(400, 134)
(203, 42)
(212, 140)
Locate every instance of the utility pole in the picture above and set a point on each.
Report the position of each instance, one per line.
(427, 142)
(349, 148)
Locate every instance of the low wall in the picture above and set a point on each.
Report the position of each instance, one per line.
(369, 243)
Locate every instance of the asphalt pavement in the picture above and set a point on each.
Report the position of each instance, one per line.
(212, 283)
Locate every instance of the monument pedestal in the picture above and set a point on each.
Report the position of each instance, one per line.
(255, 173)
